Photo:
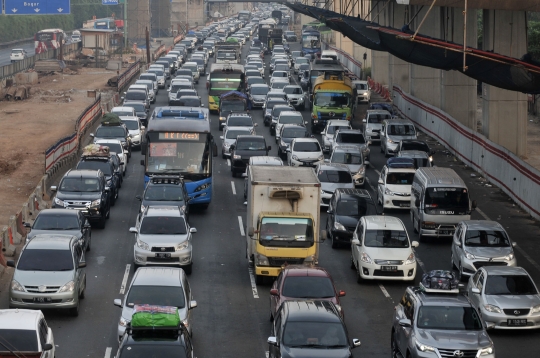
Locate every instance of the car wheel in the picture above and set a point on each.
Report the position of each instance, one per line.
(188, 268)
(459, 273)
(88, 244)
(75, 310)
(421, 237)
(81, 295)
(271, 317)
(382, 151)
(108, 215)
(353, 267)
(358, 277)
(113, 199)
(223, 155)
(393, 346)
(259, 279)
(335, 244)
(123, 173)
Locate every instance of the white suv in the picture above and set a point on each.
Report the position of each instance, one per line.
(17, 54)
(328, 133)
(28, 332)
(381, 250)
(395, 181)
(304, 152)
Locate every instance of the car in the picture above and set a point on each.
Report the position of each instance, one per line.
(165, 190)
(330, 129)
(160, 76)
(137, 96)
(279, 76)
(294, 55)
(290, 36)
(161, 286)
(372, 124)
(135, 129)
(263, 160)
(394, 184)
(438, 322)
(115, 146)
(114, 131)
(300, 61)
(351, 156)
(276, 112)
(268, 106)
(287, 133)
(140, 111)
(295, 96)
(63, 222)
(381, 250)
(27, 331)
(84, 190)
(363, 93)
(332, 177)
(259, 65)
(421, 159)
(305, 328)
(245, 147)
(106, 165)
(17, 54)
(392, 132)
(152, 91)
(257, 94)
(282, 67)
(124, 111)
(279, 83)
(296, 282)
(254, 80)
(150, 77)
(276, 93)
(479, 243)
(355, 137)
(414, 144)
(49, 274)
(193, 67)
(229, 137)
(304, 152)
(252, 73)
(237, 119)
(288, 117)
(163, 237)
(506, 297)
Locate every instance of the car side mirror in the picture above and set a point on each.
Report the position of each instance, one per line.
(92, 135)
(356, 343)
(138, 197)
(364, 120)
(288, 150)
(415, 244)
(405, 322)
(274, 292)
(514, 244)
(192, 304)
(341, 293)
(133, 230)
(82, 264)
(192, 230)
(329, 211)
(27, 225)
(53, 188)
(47, 347)
(269, 147)
(475, 290)
(117, 302)
(272, 341)
(87, 225)
(221, 137)
(10, 263)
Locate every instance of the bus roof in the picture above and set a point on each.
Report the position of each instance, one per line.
(326, 65)
(178, 125)
(180, 113)
(51, 30)
(225, 66)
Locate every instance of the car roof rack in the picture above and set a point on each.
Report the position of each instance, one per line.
(155, 320)
(96, 152)
(440, 281)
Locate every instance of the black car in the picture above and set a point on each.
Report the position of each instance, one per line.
(245, 147)
(288, 133)
(276, 111)
(268, 106)
(115, 131)
(165, 190)
(156, 342)
(106, 166)
(308, 329)
(84, 190)
(345, 209)
(64, 222)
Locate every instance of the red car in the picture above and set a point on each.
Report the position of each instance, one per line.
(302, 282)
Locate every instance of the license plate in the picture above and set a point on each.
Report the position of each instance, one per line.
(446, 232)
(388, 268)
(517, 322)
(163, 255)
(405, 205)
(42, 300)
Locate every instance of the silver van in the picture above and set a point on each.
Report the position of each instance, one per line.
(392, 132)
(439, 201)
(372, 124)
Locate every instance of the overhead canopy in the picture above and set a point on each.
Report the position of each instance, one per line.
(522, 75)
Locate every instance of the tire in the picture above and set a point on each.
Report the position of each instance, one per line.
(89, 242)
(74, 312)
(233, 173)
(393, 347)
(352, 266)
(421, 237)
(259, 279)
(223, 155)
(460, 273)
(335, 244)
(358, 277)
(81, 295)
(188, 269)
(101, 223)
(113, 199)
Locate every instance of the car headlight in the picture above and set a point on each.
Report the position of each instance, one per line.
(424, 348)
(109, 182)
(261, 260)
(486, 351)
(142, 208)
(365, 258)
(202, 187)
(185, 323)
(68, 287)
(492, 308)
(321, 157)
(59, 202)
(388, 192)
(237, 156)
(96, 202)
(123, 322)
(16, 286)
(469, 256)
(410, 260)
(301, 99)
(339, 226)
(391, 141)
(362, 170)
(509, 257)
(142, 245)
(295, 157)
(535, 309)
(182, 246)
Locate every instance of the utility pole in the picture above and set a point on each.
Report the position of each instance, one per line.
(125, 25)
(147, 46)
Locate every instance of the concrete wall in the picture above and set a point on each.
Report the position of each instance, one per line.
(160, 25)
(187, 11)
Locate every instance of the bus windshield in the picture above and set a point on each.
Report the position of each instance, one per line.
(179, 155)
(446, 200)
(310, 41)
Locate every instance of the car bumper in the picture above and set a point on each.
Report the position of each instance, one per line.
(58, 300)
(415, 353)
(396, 202)
(297, 163)
(267, 271)
(469, 267)
(373, 137)
(143, 258)
(372, 271)
(90, 213)
(342, 236)
(501, 320)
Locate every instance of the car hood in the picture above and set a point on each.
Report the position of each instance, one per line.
(403, 188)
(333, 186)
(489, 251)
(386, 253)
(347, 221)
(162, 240)
(450, 339)
(134, 132)
(513, 301)
(287, 352)
(75, 232)
(127, 312)
(82, 196)
(47, 278)
(397, 138)
(257, 97)
(354, 168)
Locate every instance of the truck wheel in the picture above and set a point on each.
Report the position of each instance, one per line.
(259, 279)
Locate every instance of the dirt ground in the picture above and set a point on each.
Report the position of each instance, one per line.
(30, 126)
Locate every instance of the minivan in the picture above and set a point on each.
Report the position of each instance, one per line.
(372, 124)
(392, 132)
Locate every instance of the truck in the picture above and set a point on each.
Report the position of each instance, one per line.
(228, 52)
(232, 101)
(274, 37)
(333, 97)
(264, 28)
(283, 219)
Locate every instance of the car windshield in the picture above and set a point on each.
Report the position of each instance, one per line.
(156, 295)
(449, 318)
(293, 133)
(291, 119)
(110, 132)
(279, 85)
(240, 122)
(307, 147)
(163, 225)
(170, 192)
(18, 340)
(135, 96)
(354, 138)
(45, 260)
(386, 238)
(332, 99)
(153, 350)
(347, 158)
(334, 176)
(56, 222)
(314, 334)
(188, 102)
(79, 184)
(280, 73)
(308, 287)
(182, 85)
(292, 90)
(301, 60)
(192, 68)
(148, 77)
(357, 208)
(397, 178)
(295, 54)
(286, 232)
(361, 86)
(253, 73)
(255, 79)
(486, 238)
(131, 125)
(138, 107)
(401, 129)
(510, 285)
(377, 118)
(253, 144)
(233, 133)
(102, 165)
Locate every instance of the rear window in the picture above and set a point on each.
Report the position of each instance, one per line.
(136, 95)
(18, 340)
(307, 147)
(334, 176)
(356, 138)
(378, 118)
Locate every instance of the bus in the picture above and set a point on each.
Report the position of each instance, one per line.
(178, 142)
(223, 78)
(244, 15)
(264, 28)
(49, 39)
(311, 42)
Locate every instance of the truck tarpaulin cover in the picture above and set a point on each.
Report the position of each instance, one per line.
(522, 75)
(235, 95)
(155, 316)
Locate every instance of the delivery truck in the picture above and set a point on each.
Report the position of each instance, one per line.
(283, 219)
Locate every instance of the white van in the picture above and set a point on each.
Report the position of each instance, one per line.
(439, 201)
(372, 124)
(331, 54)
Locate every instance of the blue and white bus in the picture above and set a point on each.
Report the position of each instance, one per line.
(178, 141)
(311, 42)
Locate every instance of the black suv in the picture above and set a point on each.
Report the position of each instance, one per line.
(84, 190)
(113, 175)
(245, 147)
(114, 132)
(345, 209)
(307, 328)
(165, 190)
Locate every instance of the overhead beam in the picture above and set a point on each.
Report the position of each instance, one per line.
(513, 5)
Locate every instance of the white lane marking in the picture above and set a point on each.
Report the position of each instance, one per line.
(521, 251)
(124, 280)
(233, 188)
(253, 284)
(267, 354)
(229, 162)
(385, 293)
(241, 226)
(375, 169)
(108, 352)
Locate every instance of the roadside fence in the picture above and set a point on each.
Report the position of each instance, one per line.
(125, 78)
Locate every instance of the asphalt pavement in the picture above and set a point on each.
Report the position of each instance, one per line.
(4, 53)
(232, 317)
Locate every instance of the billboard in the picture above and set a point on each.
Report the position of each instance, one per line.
(37, 7)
